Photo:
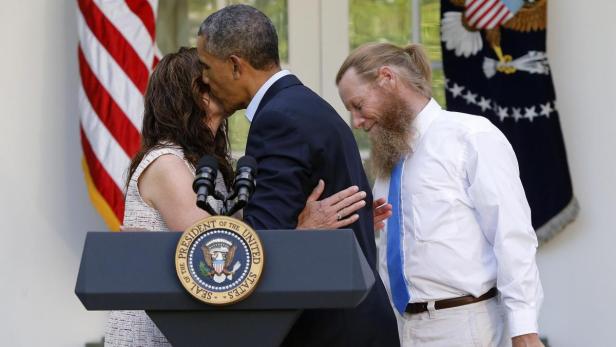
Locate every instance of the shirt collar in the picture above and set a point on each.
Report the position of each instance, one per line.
(423, 121)
(256, 100)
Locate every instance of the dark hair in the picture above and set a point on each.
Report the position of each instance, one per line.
(175, 113)
(244, 31)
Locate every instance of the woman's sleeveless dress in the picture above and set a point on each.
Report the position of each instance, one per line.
(135, 328)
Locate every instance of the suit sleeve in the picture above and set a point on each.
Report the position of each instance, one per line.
(284, 168)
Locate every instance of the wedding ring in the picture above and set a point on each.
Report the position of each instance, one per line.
(338, 216)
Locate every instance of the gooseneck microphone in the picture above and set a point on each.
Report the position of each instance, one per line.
(243, 185)
(205, 182)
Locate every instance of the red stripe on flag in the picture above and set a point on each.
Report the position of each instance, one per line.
(144, 11)
(107, 109)
(113, 41)
(493, 11)
(469, 15)
(104, 183)
(498, 18)
(470, 4)
(478, 19)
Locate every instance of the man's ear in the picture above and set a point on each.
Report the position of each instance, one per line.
(386, 77)
(205, 97)
(236, 65)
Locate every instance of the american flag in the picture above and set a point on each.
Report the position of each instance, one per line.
(116, 53)
(487, 14)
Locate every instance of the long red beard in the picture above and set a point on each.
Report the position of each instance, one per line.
(391, 135)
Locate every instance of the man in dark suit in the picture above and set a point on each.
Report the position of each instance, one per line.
(297, 138)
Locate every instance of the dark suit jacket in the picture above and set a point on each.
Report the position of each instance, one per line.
(298, 138)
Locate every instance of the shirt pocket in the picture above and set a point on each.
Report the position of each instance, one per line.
(434, 216)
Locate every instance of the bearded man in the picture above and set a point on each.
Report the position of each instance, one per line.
(457, 255)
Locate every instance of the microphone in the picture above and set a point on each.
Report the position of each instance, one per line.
(205, 181)
(244, 183)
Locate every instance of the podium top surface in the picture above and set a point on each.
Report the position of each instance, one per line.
(303, 270)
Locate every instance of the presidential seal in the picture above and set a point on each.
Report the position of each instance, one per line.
(219, 260)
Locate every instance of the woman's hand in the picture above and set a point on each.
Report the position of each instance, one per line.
(381, 211)
(334, 212)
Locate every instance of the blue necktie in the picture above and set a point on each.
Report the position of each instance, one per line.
(395, 266)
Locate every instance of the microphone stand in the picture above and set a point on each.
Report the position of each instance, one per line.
(207, 207)
(238, 197)
(233, 204)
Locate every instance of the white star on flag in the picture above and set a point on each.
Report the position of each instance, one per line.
(470, 98)
(456, 90)
(502, 113)
(546, 109)
(517, 114)
(484, 104)
(530, 113)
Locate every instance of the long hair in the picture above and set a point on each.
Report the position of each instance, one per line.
(411, 61)
(175, 113)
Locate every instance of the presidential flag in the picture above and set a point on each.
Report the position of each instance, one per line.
(495, 65)
(116, 53)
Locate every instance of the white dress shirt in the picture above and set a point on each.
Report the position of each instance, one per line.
(466, 222)
(256, 100)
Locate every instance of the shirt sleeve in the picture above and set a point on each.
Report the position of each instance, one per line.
(504, 216)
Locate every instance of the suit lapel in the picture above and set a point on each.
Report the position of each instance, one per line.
(284, 82)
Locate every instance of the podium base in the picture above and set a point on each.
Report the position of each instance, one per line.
(210, 328)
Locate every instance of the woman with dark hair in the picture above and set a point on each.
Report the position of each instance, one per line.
(182, 123)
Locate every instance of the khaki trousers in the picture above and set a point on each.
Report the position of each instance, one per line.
(480, 324)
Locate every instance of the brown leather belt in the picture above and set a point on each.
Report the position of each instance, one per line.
(419, 307)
